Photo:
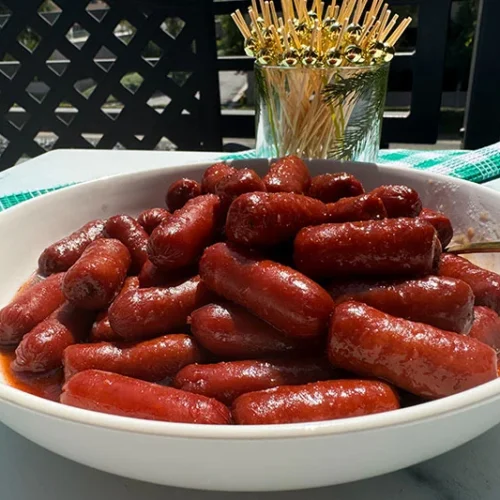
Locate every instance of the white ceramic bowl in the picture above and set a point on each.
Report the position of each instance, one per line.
(229, 457)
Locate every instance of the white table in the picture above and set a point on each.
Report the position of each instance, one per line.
(28, 472)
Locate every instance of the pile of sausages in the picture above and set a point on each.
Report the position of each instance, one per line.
(254, 300)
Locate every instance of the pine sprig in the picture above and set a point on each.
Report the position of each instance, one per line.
(370, 87)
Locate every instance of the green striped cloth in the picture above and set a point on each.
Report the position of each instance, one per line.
(477, 166)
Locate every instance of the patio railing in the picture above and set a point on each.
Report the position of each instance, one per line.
(142, 73)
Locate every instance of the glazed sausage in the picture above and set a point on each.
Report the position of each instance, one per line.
(61, 255)
(127, 230)
(399, 201)
(486, 327)
(214, 175)
(441, 224)
(485, 284)
(179, 241)
(29, 308)
(152, 360)
(41, 349)
(328, 400)
(116, 394)
(241, 182)
(267, 219)
(231, 332)
(330, 188)
(150, 276)
(151, 218)
(445, 303)
(288, 175)
(278, 294)
(149, 312)
(356, 208)
(98, 275)
(389, 247)
(101, 329)
(180, 192)
(418, 358)
(227, 381)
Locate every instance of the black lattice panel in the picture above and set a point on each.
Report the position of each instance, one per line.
(119, 73)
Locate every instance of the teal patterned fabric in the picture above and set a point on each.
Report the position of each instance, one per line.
(477, 166)
(15, 199)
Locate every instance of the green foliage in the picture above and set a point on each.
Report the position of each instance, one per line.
(152, 50)
(460, 40)
(173, 26)
(132, 81)
(29, 38)
(368, 86)
(231, 43)
(179, 77)
(48, 6)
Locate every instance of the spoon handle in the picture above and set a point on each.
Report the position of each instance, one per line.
(482, 247)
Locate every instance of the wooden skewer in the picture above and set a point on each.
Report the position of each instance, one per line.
(359, 10)
(352, 6)
(253, 16)
(371, 11)
(366, 28)
(396, 32)
(369, 35)
(276, 37)
(388, 29)
(274, 15)
(267, 15)
(384, 21)
(382, 13)
(314, 34)
(365, 19)
(285, 34)
(481, 247)
(343, 7)
(295, 37)
(346, 9)
(284, 8)
(356, 10)
(305, 11)
(319, 40)
(321, 8)
(261, 2)
(254, 7)
(375, 32)
(245, 25)
(377, 4)
(393, 39)
(298, 9)
(377, 26)
(342, 33)
(240, 27)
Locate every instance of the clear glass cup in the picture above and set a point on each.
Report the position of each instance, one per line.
(320, 112)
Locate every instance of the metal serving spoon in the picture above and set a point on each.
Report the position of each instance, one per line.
(481, 247)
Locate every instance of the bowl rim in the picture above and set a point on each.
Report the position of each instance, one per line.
(405, 416)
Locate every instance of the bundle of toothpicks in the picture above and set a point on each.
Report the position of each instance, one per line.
(337, 41)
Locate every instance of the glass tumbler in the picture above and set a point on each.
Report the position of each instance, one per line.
(320, 112)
